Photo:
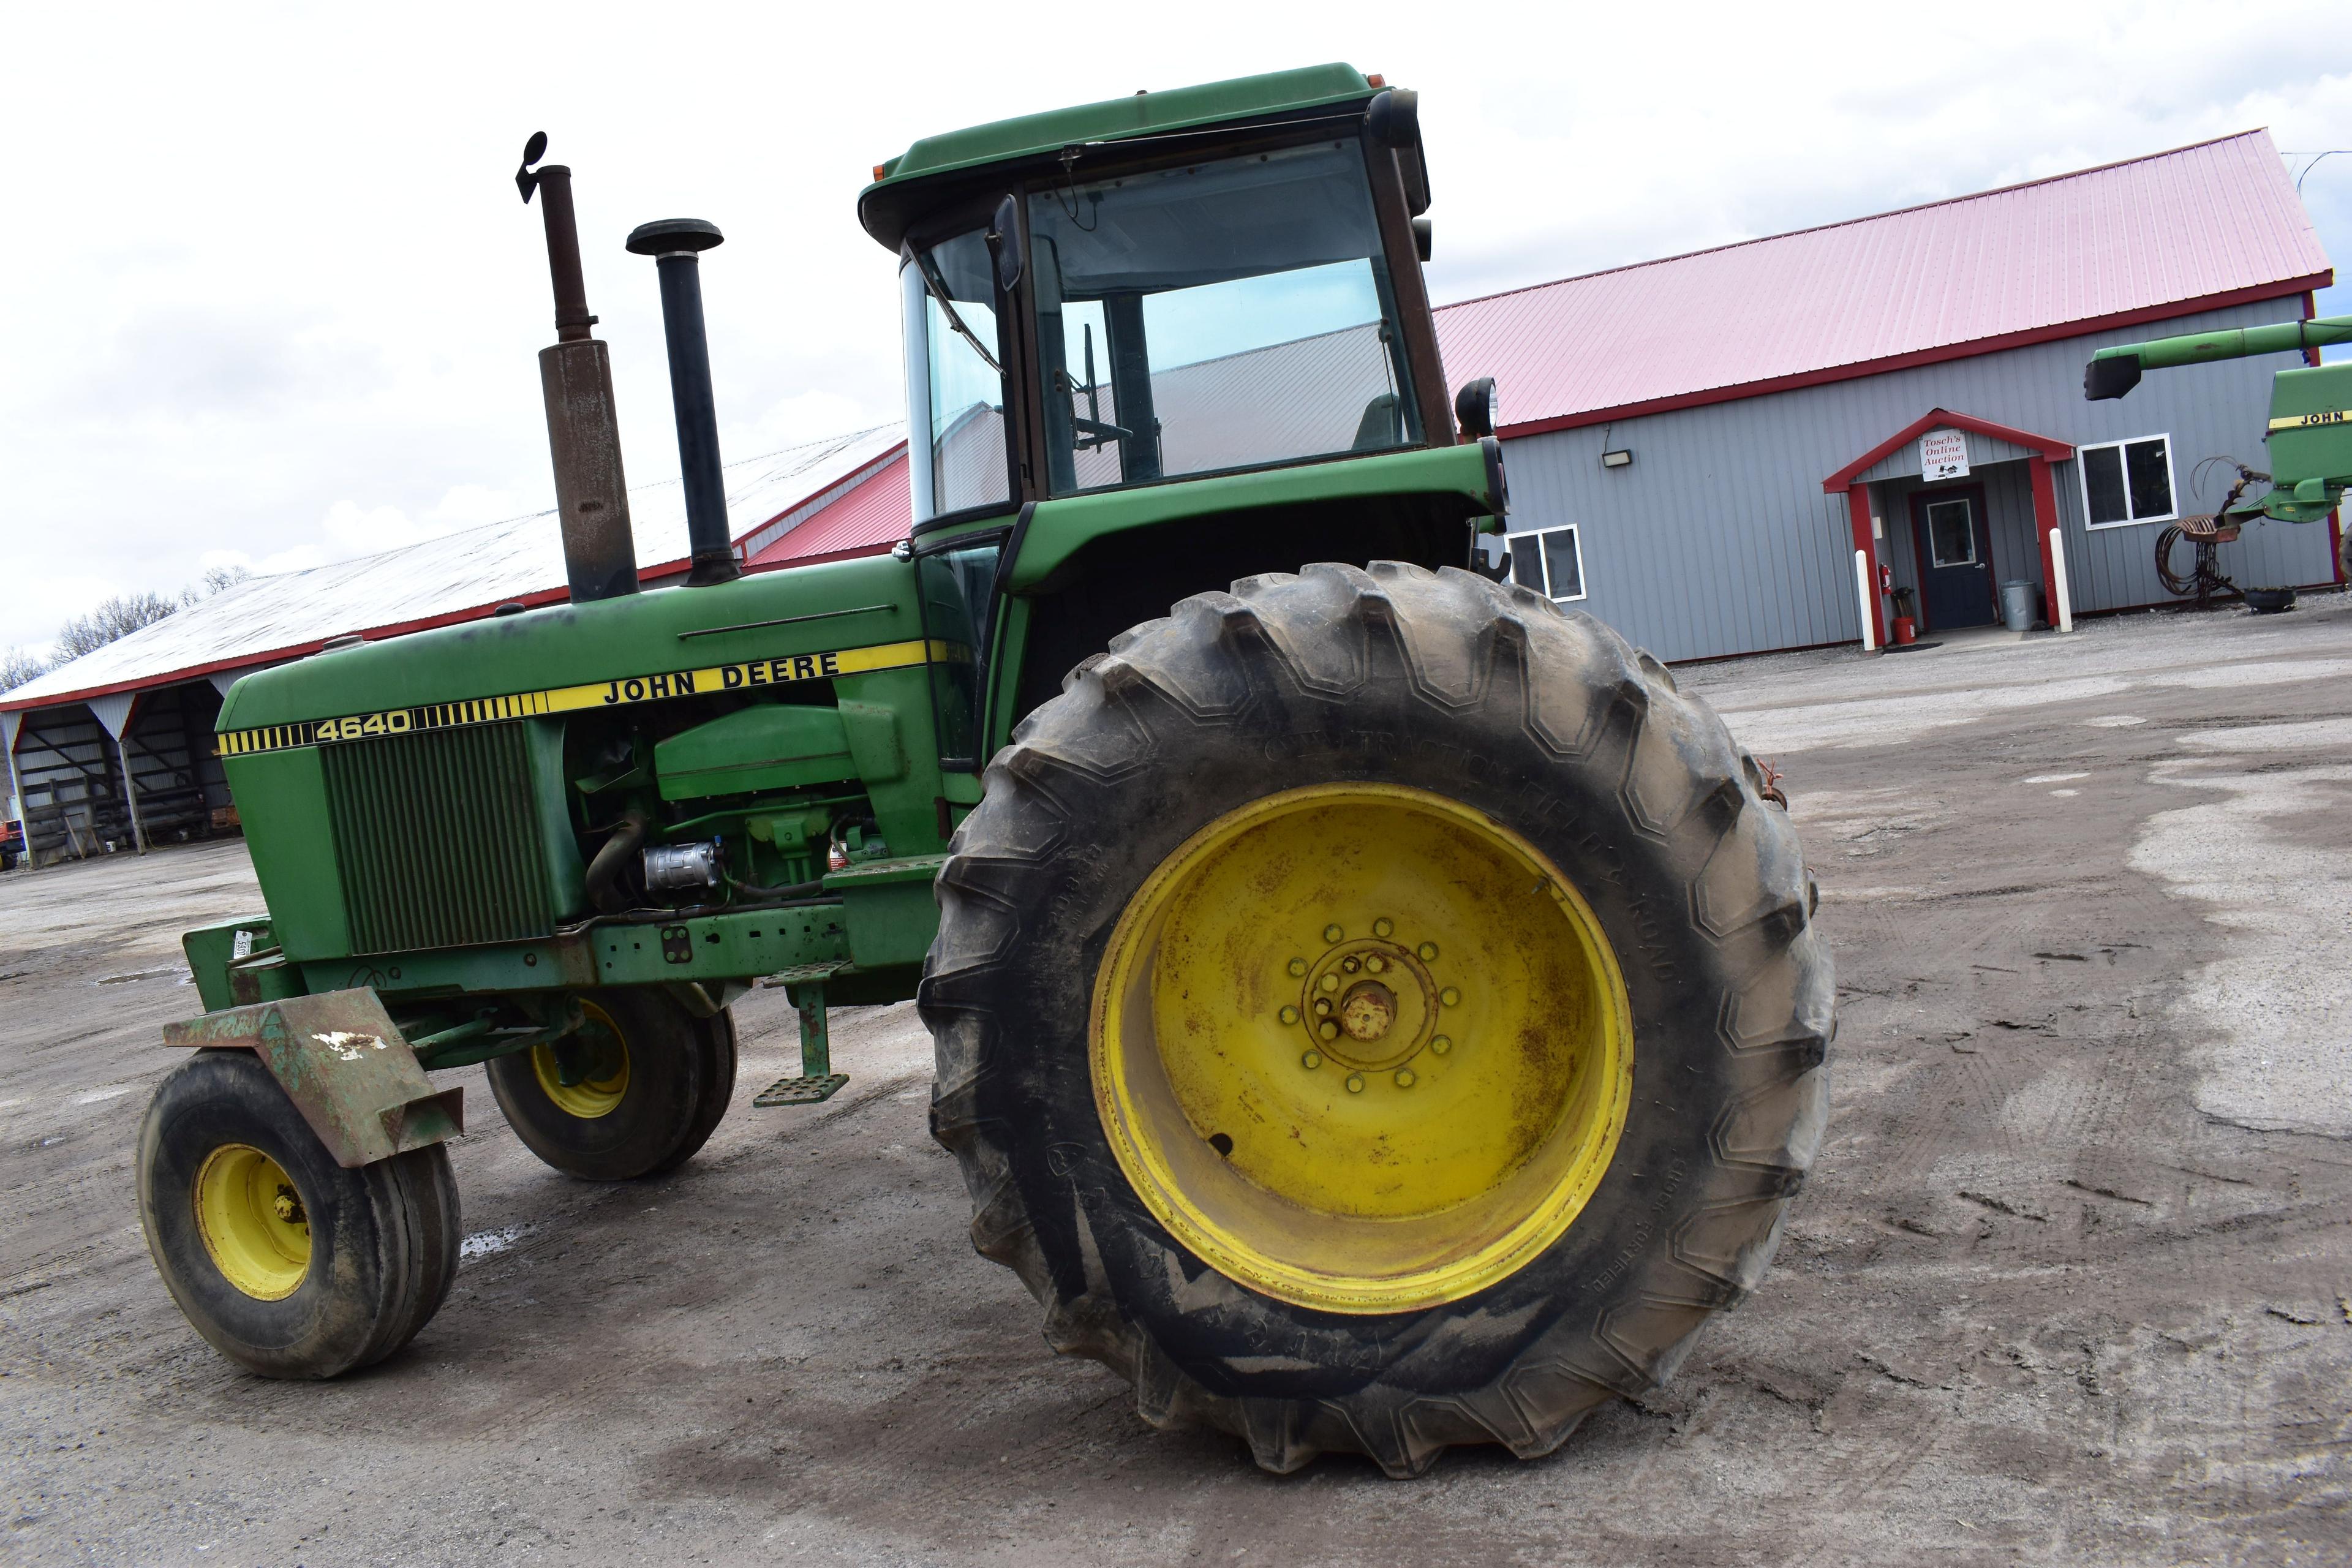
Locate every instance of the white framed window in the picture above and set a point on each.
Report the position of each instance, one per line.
(2127, 482)
(1551, 561)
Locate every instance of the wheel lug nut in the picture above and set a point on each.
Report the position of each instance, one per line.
(1330, 983)
(1328, 1029)
(1428, 951)
(1322, 1007)
(1355, 1083)
(1405, 1078)
(1450, 997)
(1441, 1044)
(1298, 966)
(1376, 964)
(1290, 1015)
(1332, 934)
(1382, 927)
(1311, 1061)
(1351, 963)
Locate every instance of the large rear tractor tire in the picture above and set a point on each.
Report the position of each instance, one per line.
(1375, 1011)
(635, 1092)
(290, 1264)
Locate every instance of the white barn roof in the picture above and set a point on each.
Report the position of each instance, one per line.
(438, 581)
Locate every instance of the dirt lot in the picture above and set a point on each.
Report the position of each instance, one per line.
(2070, 1283)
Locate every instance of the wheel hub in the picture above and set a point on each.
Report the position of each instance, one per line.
(586, 1074)
(252, 1221)
(1361, 1048)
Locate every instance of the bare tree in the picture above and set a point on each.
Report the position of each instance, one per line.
(213, 581)
(112, 619)
(125, 614)
(18, 667)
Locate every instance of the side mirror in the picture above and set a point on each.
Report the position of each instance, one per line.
(1004, 243)
(1394, 117)
(2109, 378)
(1421, 237)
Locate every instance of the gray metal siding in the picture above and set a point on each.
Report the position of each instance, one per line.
(1718, 539)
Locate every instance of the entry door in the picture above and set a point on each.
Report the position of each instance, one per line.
(1955, 559)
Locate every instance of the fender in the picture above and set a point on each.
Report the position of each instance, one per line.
(346, 1067)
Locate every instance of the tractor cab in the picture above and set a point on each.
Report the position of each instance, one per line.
(1114, 303)
(1128, 310)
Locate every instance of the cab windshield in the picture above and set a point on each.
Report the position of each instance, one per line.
(955, 378)
(1222, 315)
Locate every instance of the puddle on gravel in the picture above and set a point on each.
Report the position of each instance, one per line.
(137, 975)
(2268, 996)
(487, 1243)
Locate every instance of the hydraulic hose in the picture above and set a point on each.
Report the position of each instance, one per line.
(795, 891)
(604, 870)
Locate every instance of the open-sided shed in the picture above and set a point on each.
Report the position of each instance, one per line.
(115, 750)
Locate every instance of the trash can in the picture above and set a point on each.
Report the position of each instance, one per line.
(2017, 605)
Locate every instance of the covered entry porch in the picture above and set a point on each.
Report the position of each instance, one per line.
(1950, 507)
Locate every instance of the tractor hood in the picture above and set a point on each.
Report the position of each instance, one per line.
(809, 613)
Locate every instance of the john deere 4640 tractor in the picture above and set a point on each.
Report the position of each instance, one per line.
(1375, 1009)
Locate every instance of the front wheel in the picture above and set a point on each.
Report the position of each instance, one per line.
(290, 1265)
(633, 1092)
(1376, 1011)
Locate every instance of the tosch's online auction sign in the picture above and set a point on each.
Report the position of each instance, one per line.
(1943, 455)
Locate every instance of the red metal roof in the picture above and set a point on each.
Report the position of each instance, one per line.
(2198, 226)
(875, 515)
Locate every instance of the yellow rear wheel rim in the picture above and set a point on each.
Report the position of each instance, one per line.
(601, 1092)
(254, 1223)
(1361, 1048)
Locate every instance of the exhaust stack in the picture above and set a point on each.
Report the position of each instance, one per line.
(676, 244)
(584, 431)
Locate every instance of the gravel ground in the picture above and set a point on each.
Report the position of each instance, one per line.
(2071, 1282)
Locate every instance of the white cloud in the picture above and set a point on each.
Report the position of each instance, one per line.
(314, 330)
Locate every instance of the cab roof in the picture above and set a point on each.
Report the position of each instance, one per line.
(926, 172)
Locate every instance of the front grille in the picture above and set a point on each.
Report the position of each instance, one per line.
(437, 839)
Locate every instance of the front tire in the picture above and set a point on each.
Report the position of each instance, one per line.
(1154, 1123)
(290, 1265)
(635, 1092)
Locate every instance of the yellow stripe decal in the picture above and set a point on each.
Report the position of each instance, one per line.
(788, 670)
(2307, 421)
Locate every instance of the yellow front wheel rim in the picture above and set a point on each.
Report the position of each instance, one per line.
(1361, 1048)
(254, 1223)
(606, 1081)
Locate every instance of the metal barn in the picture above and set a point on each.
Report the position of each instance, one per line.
(1722, 453)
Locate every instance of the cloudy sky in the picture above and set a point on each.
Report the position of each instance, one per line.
(269, 297)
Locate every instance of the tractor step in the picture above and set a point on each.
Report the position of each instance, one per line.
(803, 974)
(814, 1090)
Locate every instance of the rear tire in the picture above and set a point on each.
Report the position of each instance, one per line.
(290, 1264)
(1440, 687)
(651, 1083)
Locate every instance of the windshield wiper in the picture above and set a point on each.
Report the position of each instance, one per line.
(938, 287)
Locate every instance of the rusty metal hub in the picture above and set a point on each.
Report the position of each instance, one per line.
(1368, 1004)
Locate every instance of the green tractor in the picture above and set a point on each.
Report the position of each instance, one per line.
(1375, 1009)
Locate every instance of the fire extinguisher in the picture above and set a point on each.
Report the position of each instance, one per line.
(1885, 578)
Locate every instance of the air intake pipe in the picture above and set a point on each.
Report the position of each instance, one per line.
(584, 431)
(676, 244)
